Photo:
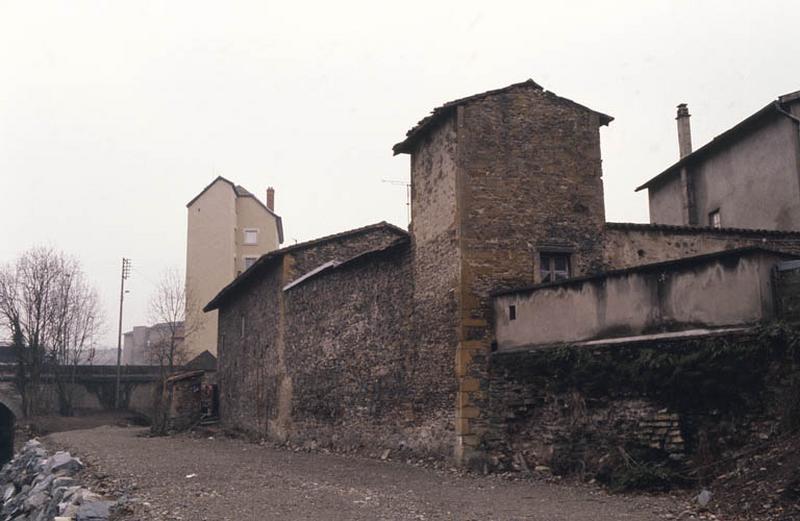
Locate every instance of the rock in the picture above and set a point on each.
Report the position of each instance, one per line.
(94, 511)
(385, 454)
(63, 461)
(63, 481)
(704, 498)
(8, 492)
(35, 487)
(36, 500)
(69, 511)
(43, 484)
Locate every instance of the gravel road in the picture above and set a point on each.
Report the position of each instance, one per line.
(190, 479)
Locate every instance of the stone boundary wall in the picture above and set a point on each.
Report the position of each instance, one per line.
(572, 408)
(332, 358)
(358, 380)
(631, 244)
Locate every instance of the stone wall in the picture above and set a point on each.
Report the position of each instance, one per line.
(357, 378)
(630, 244)
(435, 271)
(248, 362)
(530, 181)
(787, 280)
(571, 408)
(257, 391)
(185, 400)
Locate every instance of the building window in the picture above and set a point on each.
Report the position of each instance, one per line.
(249, 261)
(512, 312)
(553, 266)
(250, 236)
(714, 219)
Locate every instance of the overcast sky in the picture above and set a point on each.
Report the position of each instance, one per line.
(113, 115)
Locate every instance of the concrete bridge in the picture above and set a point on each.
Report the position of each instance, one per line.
(94, 389)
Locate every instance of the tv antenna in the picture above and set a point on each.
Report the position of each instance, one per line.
(398, 182)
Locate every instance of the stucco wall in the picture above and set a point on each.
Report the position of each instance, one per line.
(210, 254)
(754, 181)
(727, 290)
(251, 215)
(216, 253)
(667, 202)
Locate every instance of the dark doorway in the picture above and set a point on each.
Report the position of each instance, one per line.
(6, 434)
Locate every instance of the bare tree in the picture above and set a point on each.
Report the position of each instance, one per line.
(168, 313)
(50, 312)
(74, 330)
(168, 308)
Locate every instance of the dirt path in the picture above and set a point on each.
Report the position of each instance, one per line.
(238, 481)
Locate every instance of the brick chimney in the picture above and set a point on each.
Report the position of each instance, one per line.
(684, 131)
(271, 198)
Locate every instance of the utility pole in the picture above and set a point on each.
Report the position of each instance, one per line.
(126, 271)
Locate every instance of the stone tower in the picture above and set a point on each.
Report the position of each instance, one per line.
(507, 191)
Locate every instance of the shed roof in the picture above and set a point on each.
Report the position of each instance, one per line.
(241, 191)
(775, 108)
(437, 114)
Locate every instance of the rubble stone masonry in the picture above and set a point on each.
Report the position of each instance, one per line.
(630, 244)
(256, 386)
(530, 181)
(355, 379)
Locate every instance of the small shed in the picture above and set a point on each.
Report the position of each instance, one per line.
(184, 396)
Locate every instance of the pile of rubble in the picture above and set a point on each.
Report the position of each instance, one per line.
(40, 487)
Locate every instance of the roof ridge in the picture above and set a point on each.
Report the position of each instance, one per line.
(294, 247)
(441, 110)
(774, 105)
(700, 229)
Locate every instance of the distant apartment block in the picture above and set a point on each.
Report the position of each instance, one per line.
(141, 342)
(229, 228)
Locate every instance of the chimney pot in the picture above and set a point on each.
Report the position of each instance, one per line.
(271, 198)
(684, 131)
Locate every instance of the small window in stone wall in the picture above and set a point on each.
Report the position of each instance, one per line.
(554, 266)
(512, 312)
